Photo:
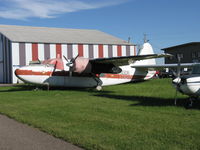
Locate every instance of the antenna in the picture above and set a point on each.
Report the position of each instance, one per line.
(139, 48)
(145, 38)
(129, 39)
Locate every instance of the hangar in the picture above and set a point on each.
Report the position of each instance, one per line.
(188, 52)
(21, 44)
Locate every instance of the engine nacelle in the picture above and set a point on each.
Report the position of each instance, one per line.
(82, 65)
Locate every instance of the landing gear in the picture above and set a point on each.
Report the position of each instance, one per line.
(99, 83)
(99, 88)
(47, 84)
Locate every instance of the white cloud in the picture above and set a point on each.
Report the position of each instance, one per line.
(23, 9)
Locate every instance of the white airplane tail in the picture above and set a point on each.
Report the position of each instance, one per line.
(146, 50)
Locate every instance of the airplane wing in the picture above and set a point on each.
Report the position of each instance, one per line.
(161, 66)
(125, 60)
(110, 65)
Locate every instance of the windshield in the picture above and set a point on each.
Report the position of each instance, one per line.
(58, 63)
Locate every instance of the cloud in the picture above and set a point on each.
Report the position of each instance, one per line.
(23, 9)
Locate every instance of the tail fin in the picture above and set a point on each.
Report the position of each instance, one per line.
(145, 50)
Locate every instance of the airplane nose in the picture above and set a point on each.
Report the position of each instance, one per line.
(21, 73)
(18, 73)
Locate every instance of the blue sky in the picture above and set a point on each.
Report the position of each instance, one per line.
(166, 22)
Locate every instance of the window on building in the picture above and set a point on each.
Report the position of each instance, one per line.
(180, 55)
(198, 54)
(170, 57)
(193, 54)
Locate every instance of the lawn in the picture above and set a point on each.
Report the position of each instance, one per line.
(129, 116)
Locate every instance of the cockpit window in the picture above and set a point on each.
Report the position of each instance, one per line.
(58, 63)
(196, 69)
(48, 63)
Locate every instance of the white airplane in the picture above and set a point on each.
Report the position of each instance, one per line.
(185, 84)
(83, 72)
(188, 84)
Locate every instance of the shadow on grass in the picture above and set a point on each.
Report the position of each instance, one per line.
(18, 88)
(139, 100)
(151, 101)
(27, 87)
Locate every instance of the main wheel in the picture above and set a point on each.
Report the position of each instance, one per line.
(99, 88)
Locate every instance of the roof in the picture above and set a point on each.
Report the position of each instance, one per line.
(181, 45)
(58, 35)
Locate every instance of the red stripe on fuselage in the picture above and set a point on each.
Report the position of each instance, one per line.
(66, 73)
(49, 73)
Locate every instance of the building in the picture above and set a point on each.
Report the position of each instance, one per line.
(189, 53)
(21, 44)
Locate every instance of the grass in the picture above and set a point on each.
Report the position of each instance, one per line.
(129, 116)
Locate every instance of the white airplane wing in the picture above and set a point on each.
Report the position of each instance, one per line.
(161, 66)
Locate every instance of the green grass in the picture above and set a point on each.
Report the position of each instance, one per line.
(130, 116)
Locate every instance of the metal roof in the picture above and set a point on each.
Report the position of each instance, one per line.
(181, 45)
(58, 35)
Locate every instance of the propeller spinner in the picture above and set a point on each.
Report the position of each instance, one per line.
(70, 64)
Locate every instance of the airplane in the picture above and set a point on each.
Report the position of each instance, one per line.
(89, 73)
(188, 84)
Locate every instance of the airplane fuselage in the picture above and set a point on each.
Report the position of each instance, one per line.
(189, 85)
(48, 75)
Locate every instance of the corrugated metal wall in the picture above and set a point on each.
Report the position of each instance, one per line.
(22, 53)
(5, 60)
(1, 59)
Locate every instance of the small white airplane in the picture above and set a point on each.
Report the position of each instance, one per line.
(83, 72)
(185, 84)
(188, 84)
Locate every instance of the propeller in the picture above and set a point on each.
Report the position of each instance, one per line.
(177, 80)
(70, 64)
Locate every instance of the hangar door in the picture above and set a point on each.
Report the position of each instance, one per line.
(1, 61)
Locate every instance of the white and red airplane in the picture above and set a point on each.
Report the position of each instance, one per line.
(83, 72)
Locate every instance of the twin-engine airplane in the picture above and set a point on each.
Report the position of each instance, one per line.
(83, 72)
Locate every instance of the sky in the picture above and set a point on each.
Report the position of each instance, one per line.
(165, 22)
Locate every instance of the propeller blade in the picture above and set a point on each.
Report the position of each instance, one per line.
(175, 97)
(65, 58)
(179, 66)
(73, 59)
(178, 79)
(70, 64)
